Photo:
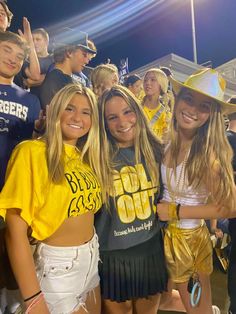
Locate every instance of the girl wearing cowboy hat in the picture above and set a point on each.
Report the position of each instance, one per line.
(198, 184)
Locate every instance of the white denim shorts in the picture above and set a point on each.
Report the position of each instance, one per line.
(67, 274)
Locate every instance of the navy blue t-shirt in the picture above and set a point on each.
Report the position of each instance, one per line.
(18, 111)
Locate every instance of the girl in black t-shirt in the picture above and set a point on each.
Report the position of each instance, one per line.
(133, 273)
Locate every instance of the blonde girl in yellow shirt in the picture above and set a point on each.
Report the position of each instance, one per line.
(52, 192)
(155, 84)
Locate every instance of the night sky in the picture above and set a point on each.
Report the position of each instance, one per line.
(142, 30)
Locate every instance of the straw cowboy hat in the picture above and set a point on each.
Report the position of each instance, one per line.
(207, 82)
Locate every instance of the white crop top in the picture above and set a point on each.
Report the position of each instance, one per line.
(187, 194)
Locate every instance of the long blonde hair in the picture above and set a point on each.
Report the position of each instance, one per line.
(88, 144)
(162, 80)
(210, 152)
(101, 75)
(146, 144)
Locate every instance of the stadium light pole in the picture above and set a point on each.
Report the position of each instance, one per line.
(193, 32)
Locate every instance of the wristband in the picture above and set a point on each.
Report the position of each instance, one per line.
(172, 213)
(33, 296)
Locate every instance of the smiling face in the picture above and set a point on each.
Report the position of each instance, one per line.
(121, 121)
(151, 85)
(76, 119)
(192, 110)
(11, 60)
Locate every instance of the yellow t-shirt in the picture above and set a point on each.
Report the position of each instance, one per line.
(45, 205)
(161, 125)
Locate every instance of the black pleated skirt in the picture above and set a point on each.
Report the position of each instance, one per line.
(136, 272)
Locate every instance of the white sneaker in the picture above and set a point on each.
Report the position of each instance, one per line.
(215, 309)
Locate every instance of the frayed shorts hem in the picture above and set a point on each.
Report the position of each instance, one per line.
(67, 274)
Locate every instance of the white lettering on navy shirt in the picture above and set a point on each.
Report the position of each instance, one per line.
(14, 109)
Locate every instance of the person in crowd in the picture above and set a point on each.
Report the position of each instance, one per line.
(5, 16)
(134, 83)
(169, 98)
(70, 57)
(41, 42)
(103, 77)
(155, 86)
(32, 70)
(18, 108)
(18, 112)
(51, 193)
(133, 273)
(198, 184)
(84, 77)
(231, 135)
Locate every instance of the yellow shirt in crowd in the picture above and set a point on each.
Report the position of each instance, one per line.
(43, 204)
(161, 125)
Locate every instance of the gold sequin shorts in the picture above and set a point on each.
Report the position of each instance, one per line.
(187, 251)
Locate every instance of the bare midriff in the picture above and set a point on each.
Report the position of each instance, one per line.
(74, 231)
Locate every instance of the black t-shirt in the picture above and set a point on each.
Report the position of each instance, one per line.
(44, 66)
(131, 218)
(54, 81)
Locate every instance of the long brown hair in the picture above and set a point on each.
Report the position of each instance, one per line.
(146, 144)
(210, 153)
